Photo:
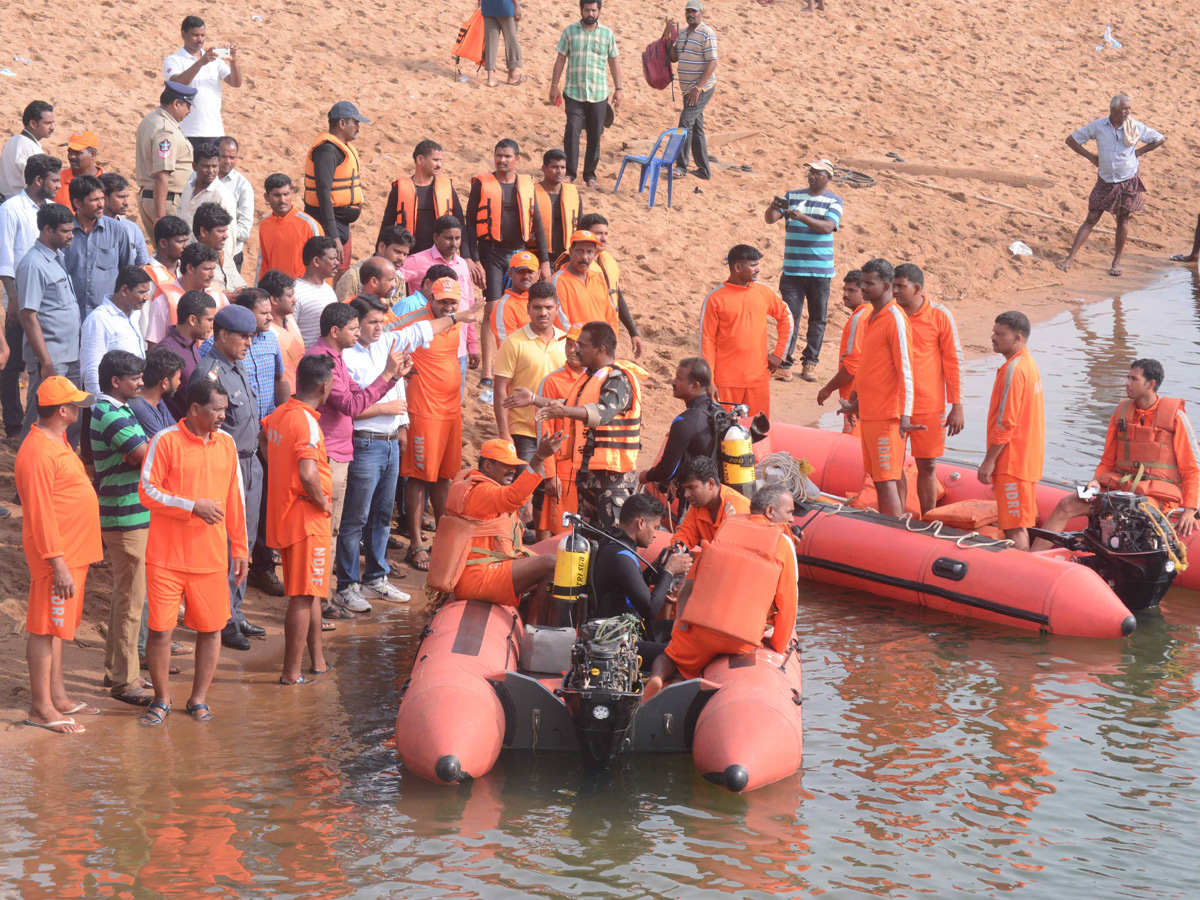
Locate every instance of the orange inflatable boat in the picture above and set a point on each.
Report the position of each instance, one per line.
(470, 695)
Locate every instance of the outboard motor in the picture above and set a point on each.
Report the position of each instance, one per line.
(603, 687)
(1131, 545)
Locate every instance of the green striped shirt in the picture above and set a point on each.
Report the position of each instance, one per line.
(115, 433)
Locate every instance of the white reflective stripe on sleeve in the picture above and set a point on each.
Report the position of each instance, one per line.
(906, 372)
(703, 310)
(1182, 418)
(855, 318)
(1008, 368)
(314, 431)
(958, 351)
(498, 319)
(153, 492)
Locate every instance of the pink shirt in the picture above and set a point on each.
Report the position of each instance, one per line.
(414, 270)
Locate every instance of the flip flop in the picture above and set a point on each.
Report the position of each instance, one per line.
(1114, 272)
(1181, 257)
(520, 80)
(53, 726)
(140, 698)
(81, 709)
(336, 612)
(193, 708)
(323, 671)
(178, 649)
(418, 558)
(301, 680)
(328, 626)
(155, 714)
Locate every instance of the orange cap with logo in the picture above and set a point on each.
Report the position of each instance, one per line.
(83, 140)
(501, 451)
(582, 237)
(524, 260)
(446, 287)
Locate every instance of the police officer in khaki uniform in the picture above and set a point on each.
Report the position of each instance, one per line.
(164, 154)
(233, 328)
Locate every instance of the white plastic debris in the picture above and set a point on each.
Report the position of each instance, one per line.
(1020, 248)
(9, 72)
(1109, 39)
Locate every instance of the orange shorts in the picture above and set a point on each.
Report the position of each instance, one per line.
(882, 448)
(554, 507)
(492, 582)
(758, 397)
(306, 567)
(53, 615)
(434, 448)
(930, 443)
(1016, 502)
(692, 648)
(205, 596)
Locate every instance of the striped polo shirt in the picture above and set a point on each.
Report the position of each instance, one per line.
(115, 433)
(696, 49)
(805, 252)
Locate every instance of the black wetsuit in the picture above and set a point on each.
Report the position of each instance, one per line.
(692, 433)
(620, 586)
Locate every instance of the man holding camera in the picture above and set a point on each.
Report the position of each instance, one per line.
(811, 216)
(206, 71)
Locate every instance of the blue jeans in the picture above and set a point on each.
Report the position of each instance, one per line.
(462, 387)
(367, 513)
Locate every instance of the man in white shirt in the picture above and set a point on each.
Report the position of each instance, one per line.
(18, 232)
(213, 227)
(313, 291)
(204, 185)
(239, 188)
(38, 121)
(110, 325)
(206, 71)
(1118, 188)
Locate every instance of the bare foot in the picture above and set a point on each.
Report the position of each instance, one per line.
(1063, 266)
(653, 686)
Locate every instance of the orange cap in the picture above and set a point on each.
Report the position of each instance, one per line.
(584, 237)
(446, 287)
(82, 140)
(574, 333)
(504, 452)
(57, 390)
(524, 260)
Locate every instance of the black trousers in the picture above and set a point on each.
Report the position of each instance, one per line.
(495, 260)
(796, 290)
(588, 117)
(10, 378)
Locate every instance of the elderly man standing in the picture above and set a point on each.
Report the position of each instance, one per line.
(238, 186)
(82, 149)
(333, 177)
(583, 50)
(38, 122)
(1119, 189)
(164, 155)
(695, 51)
(206, 71)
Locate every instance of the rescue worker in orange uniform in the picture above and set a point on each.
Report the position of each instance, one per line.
(192, 485)
(477, 550)
(604, 409)
(418, 200)
(749, 585)
(558, 203)
(733, 333)
(333, 192)
(502, 219)
(283, 232)
(584, 291)
(853, 334)
(512, 310)
(60, 531)
(937, 360)
(883, 388)
(710, 502)
(299, 505)
(1016, 430)
(1150, 450)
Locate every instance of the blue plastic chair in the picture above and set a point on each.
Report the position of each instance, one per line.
(653, 164)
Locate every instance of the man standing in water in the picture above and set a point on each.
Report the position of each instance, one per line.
(1119, 189)
(1016, 431)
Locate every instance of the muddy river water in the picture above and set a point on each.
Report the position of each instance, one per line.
(942, 758)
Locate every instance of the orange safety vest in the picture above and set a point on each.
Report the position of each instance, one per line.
(458, 536)
(406, 199)
(568, 202)
(736, 577)
(346, 189)
(1146, 461)
(487, 218)
(612, 447)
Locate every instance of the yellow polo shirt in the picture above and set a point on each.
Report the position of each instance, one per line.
(525, 359)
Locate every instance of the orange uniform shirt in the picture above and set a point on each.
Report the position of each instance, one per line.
(854, 333)
(291, 347)
(937, 359)
(433, 387)
(281, 241)
(1183, 441)
(884, 381)
(733, 333)
(293, 434)
(64, 186)
(181, 468)
(1017, 418)
(489, 499)
(698, 523)
(582, 302)
(61, 513)
(787, 592)
(510, 315)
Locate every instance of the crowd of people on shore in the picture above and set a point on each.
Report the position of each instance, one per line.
(200, 433)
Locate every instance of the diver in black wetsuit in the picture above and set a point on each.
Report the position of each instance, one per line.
(694, 431)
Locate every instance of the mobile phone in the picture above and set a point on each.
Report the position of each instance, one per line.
(222, 52)
(780, 203)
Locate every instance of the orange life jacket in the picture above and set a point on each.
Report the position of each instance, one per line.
(612, 447)
(458, 536)
(346, 189)
(487, 218)
(568, 202)
(406, 199)
(1146, 461)
(735, 580)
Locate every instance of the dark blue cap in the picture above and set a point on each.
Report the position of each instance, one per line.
(344, 109)
(236, 318)
(181, 91)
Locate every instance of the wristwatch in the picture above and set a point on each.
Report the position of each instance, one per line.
(453, 319)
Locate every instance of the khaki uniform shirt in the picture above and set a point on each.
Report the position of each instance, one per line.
(162, 147)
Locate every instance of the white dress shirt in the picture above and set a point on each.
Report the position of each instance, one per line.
(18, 231)
(106, 328)
(17, 150)
(366, 363)
(243, 196)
